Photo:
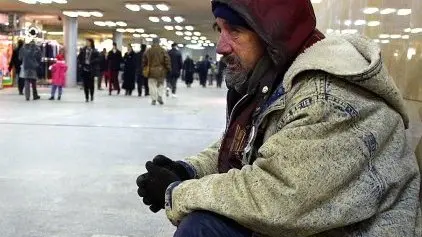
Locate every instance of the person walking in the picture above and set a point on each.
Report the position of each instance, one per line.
(16, 63)
(89, 59)
(129, 75)
(220, 74)
(142, 81)
(58, 72)
(203, 68)
(30, 55)
(188, 71)
(156, 63)
(114, 61)
(176, 67)
(211, 72)
(103, 69)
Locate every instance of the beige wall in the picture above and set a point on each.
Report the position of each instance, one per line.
(404, 66)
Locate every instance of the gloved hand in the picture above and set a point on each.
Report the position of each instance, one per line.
(152, 186)
(175, 167)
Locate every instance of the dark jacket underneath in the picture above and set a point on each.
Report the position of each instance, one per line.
(129, 74)
(114, 60)
(93, 64)
(176, 62)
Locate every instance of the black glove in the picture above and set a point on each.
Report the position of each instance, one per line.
(153, 185)
(175, 167)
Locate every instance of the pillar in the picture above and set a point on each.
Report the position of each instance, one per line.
(70, 29)
(118, 39)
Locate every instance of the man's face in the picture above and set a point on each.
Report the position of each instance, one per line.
(241, 48)
(88, 43)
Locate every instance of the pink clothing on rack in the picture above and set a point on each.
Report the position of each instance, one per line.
(58, 72)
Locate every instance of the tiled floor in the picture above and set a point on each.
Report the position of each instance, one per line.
(68, 169)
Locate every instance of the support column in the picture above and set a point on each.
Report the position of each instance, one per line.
(118, 38)
(70, 29)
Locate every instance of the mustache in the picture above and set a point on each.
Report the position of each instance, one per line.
(231, 60)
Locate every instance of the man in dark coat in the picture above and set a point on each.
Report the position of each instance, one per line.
(114, 60)
(141, 80)
(176, 67)
(220, 74)
(188, 71)
(16, 63)
(103, 68)
(129, 74)
(89, 60)
(203, 68)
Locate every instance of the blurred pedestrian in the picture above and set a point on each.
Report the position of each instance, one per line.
(220, 74)
(142, 81)
(114, 60)
(176, 67)
(89, 59)
(129, 74)
(16, 63)
(203, 68)
(103, 69)
(30, 55)
(188, 71)
(58, 72)
(156, 63)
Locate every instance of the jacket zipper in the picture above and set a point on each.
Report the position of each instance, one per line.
(233, 110)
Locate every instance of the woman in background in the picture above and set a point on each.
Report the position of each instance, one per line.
(129, 75)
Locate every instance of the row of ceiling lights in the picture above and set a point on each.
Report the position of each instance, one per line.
(83, 13)
(110, 23)
(156, 19)
(147, 7)
(387, 11)
(43, 1)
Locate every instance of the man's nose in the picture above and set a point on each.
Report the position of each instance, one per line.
(223, 45)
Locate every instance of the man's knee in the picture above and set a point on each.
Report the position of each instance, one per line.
(207, 224)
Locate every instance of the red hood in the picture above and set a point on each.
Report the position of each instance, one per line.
(287, 26)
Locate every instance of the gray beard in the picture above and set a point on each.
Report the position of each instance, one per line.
(237, 80)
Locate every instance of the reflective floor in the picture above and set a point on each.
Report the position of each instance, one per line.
(69, 168)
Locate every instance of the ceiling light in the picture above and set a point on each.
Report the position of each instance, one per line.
(348, 22)
(55, 33)
(404, 12)
(194, 41)
(170, 42)
(374, 23)
(84, 14)
(133, 7)
(169, 27)
(384, 36)
(166, 19)
(208, 41)
(395, 36)
(387, 11)
(153, 36)
(194, 46)
(110, 24)
(197, 33)
(121, 23)
(405, 37)
(360, 22)
(205, 44)
(162, 7)
(96, 14)
(121, 30)
(179, 33)
(190, 28)
(147, 7)
(188, 33)
(163, 40)
(145, 35)
(408, 30)
(416, 30)
(349, 31)
(396, 54)
(29, 1)
(148, 39)
(211, 44)
(137, 35)
(201, 41)
(99, 23)
(195, 38)
(385, 41)
(45, 1)
(130, 30)
(70, 14)
(154, 19)
(139, 30)
(179, 19)
(178, 28)
(370, 10)
(377, 40)
(203, 38)
(187, 38)
(60, 1)
(180, 45)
